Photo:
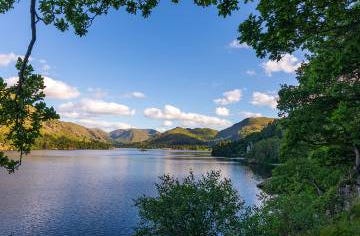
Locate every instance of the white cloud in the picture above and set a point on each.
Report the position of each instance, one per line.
(229, 97)
(6, 59)
(59, 90)
(135, 94)
(264, 99)
(104, 125)
(235, 44)
(167, 123)
(55, 89)
(287, 64)
(222, 111)
(250, 72)
(138, 95)
(188, 119)
(247, 114)
(90, 107)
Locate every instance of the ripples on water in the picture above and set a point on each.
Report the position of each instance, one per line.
(91, 192)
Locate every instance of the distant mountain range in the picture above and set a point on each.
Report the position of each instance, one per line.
(67, 135)
(187, 137)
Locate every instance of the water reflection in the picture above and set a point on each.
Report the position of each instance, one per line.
(92, 192)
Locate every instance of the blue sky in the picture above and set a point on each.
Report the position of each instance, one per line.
(180, 67)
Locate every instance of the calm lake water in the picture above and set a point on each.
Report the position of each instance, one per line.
(92, 192)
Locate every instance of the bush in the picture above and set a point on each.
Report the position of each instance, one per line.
(205, 206)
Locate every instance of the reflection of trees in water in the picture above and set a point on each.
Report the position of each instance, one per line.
(263, 170)
(183, 161)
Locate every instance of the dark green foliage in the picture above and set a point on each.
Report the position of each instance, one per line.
(348, 223)
(265, 151)
(284, 26)
(80, 14)
(321, 115)
(6, 5)
(205, 206)
(7, 163)
(229, 149)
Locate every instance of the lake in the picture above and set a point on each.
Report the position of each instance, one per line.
(91, 192)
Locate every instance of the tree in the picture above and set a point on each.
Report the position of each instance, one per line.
(204, 206)
(63, 14)
(324, 110)
(22, 110)
(282, 27)
(315, 181)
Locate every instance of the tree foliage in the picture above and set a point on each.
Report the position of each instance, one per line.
(281, 27)
(205, 206)
(316, 180)
(22, 110)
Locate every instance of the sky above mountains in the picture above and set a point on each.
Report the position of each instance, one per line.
(180, 67)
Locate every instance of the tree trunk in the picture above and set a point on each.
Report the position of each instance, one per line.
(357, 159)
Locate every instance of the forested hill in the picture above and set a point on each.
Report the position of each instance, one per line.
(244, 128)
(182, 138)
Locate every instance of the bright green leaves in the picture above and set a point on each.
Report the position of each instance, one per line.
(22, 111)
(205, 206)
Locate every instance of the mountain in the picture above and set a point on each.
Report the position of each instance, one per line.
(182, 137)
(127, 136)
(65, 135)
(244, 128)
(71, 130)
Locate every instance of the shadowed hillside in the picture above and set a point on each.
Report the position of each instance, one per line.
(126, 136)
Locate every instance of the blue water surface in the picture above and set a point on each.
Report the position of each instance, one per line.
(91, 192)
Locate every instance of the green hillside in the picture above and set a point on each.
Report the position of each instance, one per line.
(244, 128)
(65, 135)
(127, 136)
(182, 138)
